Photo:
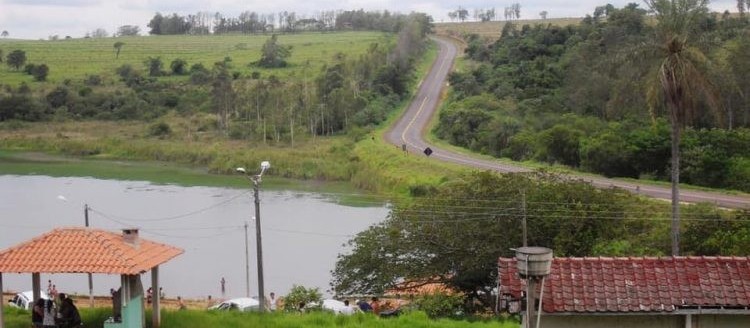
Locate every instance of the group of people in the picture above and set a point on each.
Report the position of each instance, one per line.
(61, 313)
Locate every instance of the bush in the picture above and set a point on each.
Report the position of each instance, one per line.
(178, 66)
(92, 80)
(441, 305)
(40, 72)
(301, 295)
(161, 130)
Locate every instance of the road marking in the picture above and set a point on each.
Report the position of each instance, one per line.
(413, 119)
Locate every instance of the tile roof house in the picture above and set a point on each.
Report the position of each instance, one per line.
(84, 250)
(87, 250)
(639, 291)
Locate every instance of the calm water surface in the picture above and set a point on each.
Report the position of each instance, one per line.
(302, 232)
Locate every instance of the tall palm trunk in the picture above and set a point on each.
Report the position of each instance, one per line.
(675, 188)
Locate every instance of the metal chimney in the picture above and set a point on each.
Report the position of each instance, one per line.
(130, 236)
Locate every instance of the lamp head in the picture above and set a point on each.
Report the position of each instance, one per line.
(241, 170)
(265, 165)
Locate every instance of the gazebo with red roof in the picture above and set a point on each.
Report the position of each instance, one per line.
(87, 250)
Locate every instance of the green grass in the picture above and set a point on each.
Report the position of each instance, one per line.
(75, 58)
(16, 318)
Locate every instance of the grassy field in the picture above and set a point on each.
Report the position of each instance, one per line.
(75, 58)
(491, 30)
(202, 319)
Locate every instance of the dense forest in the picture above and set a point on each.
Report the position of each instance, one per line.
(581, 96)
(348, 93)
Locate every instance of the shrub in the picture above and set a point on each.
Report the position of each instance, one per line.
(441, 305)
(161, 130)
(299, 295)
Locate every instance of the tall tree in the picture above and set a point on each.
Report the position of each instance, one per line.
(4, 34)
(16, 59)
(118, 46)
(274, 54)
(681, 82)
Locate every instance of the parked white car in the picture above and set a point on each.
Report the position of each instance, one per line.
(25, 300)
(240, 304)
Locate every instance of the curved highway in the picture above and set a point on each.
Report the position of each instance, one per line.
(409, 132)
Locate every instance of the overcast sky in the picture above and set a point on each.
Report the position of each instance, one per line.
(39, 19)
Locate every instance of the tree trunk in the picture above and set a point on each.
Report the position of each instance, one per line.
(675, 188)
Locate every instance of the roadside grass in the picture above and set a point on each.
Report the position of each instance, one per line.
(75, 58)
(16, 318)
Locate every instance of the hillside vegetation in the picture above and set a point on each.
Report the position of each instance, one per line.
(585, 96)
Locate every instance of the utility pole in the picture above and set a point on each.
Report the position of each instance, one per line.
(523, 208)
(259, 246)
(91, 279)
(247, 265)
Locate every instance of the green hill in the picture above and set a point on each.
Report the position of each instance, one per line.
(75, 58)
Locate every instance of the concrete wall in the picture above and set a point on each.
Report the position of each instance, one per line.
(644, 321)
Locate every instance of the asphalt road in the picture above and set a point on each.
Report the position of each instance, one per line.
(409, 132)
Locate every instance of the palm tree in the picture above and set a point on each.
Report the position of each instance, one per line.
(680, 81)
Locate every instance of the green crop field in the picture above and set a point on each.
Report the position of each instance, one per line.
(75, 58)
(491, 30)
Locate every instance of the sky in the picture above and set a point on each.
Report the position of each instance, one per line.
(40, 19)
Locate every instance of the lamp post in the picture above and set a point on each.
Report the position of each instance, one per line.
(256, 180)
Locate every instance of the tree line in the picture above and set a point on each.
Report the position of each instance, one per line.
(285, 21)
(579, 96)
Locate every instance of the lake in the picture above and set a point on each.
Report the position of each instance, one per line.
(302, 232)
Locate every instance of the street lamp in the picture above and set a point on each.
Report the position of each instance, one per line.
(256, 179)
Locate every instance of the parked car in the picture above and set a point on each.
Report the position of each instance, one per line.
(239, 304)
(25, 300)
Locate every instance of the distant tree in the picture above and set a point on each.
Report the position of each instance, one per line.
(274, 54)
(16, 59)
(543, 14)
(462, 13)
(40, 72)
(223, 95)
(179, 66)
(154, 65)
(453, 15)
(516, 10)
(155, 24)
(128, 30)
(5, 34)
(99, 33)
(118, 46)
(741, 7)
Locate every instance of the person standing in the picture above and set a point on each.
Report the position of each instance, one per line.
(180, 304)
(272, 302)
(69, 316)
(223, 289)
(375, 304)
(347, 310)
(49, 314)
(37, 313)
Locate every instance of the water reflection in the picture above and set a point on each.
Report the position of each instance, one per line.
(302, 232)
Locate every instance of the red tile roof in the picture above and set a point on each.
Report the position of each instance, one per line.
(416, 287)
(79, 250)
(637, 284)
